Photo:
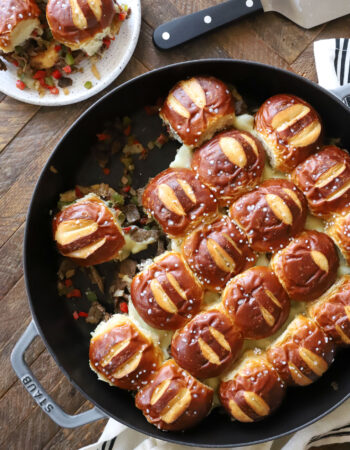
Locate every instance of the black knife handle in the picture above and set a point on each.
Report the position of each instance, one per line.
(188, 27)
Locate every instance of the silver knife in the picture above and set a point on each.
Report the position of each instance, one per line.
(306, 13)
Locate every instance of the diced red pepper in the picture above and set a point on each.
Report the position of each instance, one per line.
(102, 136)
(54, 90)
(57, 74)
(127, 230)
(35, 33)
(43, 84)
(107, 42)
(68, 282)
(122, 16)
(126, 188)
(127, 130)
(76, 315)
(78, 192)
(67, 69)
(106, 171)
(20, 85)
(58, 48)
(82, 314)
(74, 293)
(124, 307)
(39, 75)
(15, 63)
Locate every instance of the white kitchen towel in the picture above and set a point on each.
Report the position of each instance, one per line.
(332, 57)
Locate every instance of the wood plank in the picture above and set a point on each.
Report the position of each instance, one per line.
(11, 261)
(14, 115)
(16, 317)
(282, 35)
(25, 419)
(305, 63)
(79, 437)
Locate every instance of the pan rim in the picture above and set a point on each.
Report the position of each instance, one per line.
(26, 251)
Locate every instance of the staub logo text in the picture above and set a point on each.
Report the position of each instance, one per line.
(39, 396)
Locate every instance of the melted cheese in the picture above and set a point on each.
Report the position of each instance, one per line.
(183, 158)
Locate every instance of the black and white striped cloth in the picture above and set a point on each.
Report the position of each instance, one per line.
(332, 57)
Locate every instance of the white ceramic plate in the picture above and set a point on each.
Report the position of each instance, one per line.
(109, 66)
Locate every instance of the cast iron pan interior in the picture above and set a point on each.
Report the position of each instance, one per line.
(68, 339)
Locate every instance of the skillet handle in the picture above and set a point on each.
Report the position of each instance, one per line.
(34, 388)
(343, 93)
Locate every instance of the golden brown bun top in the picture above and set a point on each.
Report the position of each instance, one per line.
(255, 391)
(166, 294)
(308, 266)
(271, 214)
(173, 399)
(216, 252)
(122, 355)
(88, 224)
(207, 344)
(11, 13)
(179, 201)
(230, 164)
(193, 104)
(332, 311)
(324, 178)
(256, 302)
(291, 126)
(73, 22)
(339, 230)
(302, 353)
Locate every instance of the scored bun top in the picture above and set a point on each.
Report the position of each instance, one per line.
(166, 294)
(302, 353)
(76, 22)
(339, 231)
(231, 164)
(324, 178)
(87, 232)
(271, 214)
(18, 19)
(173, 399)
(179, 201)
(332, 311)
(207, 344)
(196, 108)
(122, 355)
(216, 252)
(291, 128)
(255, 390)
(256, 302)
(308, 266)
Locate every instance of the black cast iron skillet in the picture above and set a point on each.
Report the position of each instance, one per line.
(68, 340)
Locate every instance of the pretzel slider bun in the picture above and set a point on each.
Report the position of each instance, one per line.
(324, 178)
(339, 231)
(81, 24)
(18, 20)
(254, 391)
(197, 108)
(256, 302)
(308, 266)
(216, 252)
(166, 294)
(122, 355)
(302, 353)
(231, 164)
(87, 232)
(178, 201)
(271, 214)
(332, 311)
(291, 129)
(207, 344)
(173, 399)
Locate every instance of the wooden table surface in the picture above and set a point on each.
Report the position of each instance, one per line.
(28, 134)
